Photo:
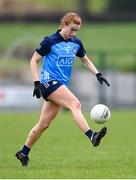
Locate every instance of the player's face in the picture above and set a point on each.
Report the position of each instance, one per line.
(70, 30)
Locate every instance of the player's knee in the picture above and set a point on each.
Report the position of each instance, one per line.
(75, 105)
(44, 126)
(78, 105)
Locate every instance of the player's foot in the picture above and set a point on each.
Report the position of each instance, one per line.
(23, 159)
(97, 136)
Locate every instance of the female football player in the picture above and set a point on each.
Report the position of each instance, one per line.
(58, 53)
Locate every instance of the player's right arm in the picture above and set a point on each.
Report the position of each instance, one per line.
(41, 51)
(34, 66)
(35, 73)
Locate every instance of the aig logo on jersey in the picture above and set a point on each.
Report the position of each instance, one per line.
(65, 60)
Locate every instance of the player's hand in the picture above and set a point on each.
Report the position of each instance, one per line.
(37, 89)
(101, 79)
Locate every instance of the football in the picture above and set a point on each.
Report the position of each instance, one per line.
(100, 113)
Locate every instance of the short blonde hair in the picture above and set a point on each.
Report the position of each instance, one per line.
(70, 17)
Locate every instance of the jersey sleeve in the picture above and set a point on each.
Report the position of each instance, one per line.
(44, 47)
(81, 52)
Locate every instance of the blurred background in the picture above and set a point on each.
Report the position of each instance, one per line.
(108, 33)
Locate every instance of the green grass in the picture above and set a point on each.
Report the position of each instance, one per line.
(64, 152)
(94, 36)
(109, 38)
(61, 5)
(95, 6)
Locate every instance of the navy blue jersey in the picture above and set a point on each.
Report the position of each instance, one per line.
(58, 57)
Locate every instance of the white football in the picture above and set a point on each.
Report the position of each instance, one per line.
(100, 113)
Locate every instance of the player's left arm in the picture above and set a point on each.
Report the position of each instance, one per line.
(91, 67)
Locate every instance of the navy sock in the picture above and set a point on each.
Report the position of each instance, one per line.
(25, 150)
(89, 134)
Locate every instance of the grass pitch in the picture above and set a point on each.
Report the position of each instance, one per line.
(117, 40)
(107, 37)
(63, 151)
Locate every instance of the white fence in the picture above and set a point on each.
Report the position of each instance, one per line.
(17, 97)
(121, 93)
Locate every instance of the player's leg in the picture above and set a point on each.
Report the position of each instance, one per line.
(48, 113)
(65, 98)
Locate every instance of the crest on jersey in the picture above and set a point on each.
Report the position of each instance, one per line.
(67, 50)
(74, 50)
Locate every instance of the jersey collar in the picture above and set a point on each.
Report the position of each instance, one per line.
(59, 35)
